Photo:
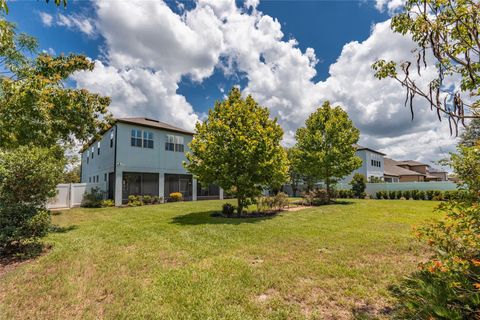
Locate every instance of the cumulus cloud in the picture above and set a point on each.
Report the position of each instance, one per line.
(46, 18)
(390, 5)
(149, 48)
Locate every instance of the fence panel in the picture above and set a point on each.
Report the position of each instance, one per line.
(68, 196)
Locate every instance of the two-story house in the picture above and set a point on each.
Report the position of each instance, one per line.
(141, 156)
(372, 164)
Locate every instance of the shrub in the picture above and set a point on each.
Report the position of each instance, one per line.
(421, 195)
(447, 285)
(316, 197)
(134, 201)
(392, 195)
(414, 194)
(93, 199)
(146, 199)
(398, 194)
(358, 183)
(429, 194)
(379, 195)
(28, 178)
(407, 194)
(176, 196)
(228, 209)
(280, 201)
(107, 203)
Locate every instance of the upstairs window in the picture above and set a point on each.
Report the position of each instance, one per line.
(88, 156)
(136, 138)
(148, 139)
(111, 139)
(174, 143)
(93, 151)
(98, 147)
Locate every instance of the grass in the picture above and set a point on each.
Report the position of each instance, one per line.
(174, 261)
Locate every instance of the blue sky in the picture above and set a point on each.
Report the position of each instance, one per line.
(173, 60)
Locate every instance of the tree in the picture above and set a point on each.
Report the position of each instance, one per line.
(471, 136)
(238, 148)
(359, 184)
(326, 145)
(28, 176)
(71, 175)
(295, 178)
(450, 31)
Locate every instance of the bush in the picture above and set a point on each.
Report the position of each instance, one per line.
(228, 209)
(146, 199)
(421, 195)
(176, 196)
(107, 203)
(398, 194)
(358, 183)
(379, 194)
(447, 285)
(134, 201)
(28, 178)
(414, 194)
(280, 201)
(93, 199)
(392, 195)
(407, 194)
(429, 194)
(316, 197)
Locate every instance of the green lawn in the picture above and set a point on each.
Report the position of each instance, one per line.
(174, 261)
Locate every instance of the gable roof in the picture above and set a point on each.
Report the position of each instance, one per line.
(391, 168)
(152, 123)
(411, 163)
(359, 147)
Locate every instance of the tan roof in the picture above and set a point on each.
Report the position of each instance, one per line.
(148, 122)
(392, 169)
(411, 163)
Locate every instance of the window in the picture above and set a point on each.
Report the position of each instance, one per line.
(97, 178)
(93, 151)
(147, 139)
(105, 177)
(170, 143)
(376, 163)
(98, 147)
(89, 179)
(136, 138)
(174, 143)
(111, 139)
(179, 144)
(88, 156)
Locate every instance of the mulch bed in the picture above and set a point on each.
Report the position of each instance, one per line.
(258, 214)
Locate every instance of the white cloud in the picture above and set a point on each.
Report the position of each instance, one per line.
(391, 6)
(46, 18)
(83, 24)
(149, 48)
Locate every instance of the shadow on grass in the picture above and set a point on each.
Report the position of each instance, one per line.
(370, 312)
(205, 217)
(59, 229)
(343, 202)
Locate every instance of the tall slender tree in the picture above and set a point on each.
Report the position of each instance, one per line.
(326, 146)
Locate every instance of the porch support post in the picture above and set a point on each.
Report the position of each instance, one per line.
(161, 186)
(194, 189)
(221, 194)
(118, 187)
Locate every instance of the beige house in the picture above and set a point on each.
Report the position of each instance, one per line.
(411, 171)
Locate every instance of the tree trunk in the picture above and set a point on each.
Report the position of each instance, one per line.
(327, 183)
(239, 205)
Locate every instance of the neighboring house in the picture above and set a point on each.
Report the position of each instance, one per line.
(142, 156)
(411, 171)
(372, 164)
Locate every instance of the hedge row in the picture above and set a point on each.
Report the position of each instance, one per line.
(436, 195)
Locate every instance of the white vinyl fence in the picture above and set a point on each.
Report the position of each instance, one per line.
(372, 188)
(68, 196)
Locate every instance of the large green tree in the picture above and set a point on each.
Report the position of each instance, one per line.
(326, 145)
(238, 148)
(449, 30)
(471, 135)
